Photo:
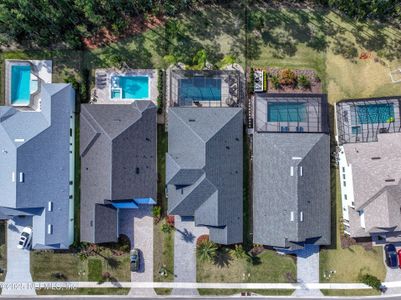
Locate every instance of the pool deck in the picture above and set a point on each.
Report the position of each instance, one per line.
(42, 69)
(232, 86)
(101, 93)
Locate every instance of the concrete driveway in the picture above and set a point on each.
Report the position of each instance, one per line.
(137, 224)
(307, 269)
(186, 234)
(392, 275)
(18, 260)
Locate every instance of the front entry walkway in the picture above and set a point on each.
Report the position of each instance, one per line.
(186, 234)
(137, 224)
(18, 279)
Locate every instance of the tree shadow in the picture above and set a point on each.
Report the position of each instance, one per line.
(113, 263)
(186, 235)
(222, 258)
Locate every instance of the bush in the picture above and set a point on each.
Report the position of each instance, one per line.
(160, 88)
(288, 77)
(166, 228)
(371, 281)
(203, 238)
(304, 82)
(170, 220)
(157, 210)
(251, 82)
(239, 251)
(206, 251)
(275, 82)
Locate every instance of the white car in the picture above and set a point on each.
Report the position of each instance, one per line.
(25, 238)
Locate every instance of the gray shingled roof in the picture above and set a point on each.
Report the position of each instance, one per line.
(44, 159)
(291, 196)
(118, 162)
(376, 178)
(204, 169)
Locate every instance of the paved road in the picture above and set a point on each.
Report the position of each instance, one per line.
(207, 298)
(137, 224)
(18, 260)
(186, 234)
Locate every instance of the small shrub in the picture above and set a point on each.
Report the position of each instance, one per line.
(371, 281)
(170, 220)
(275, 82)
(287, 77)
(160, 88)
(201, 239)
(166, 228)
(157, 210)
(239, 251)
(251, 82)
(304, 82)
(206, 251)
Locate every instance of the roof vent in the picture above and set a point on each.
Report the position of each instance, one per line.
(292, 216)
(192, 120)
(227, 147)
(389, 180)
(376, 158)
(117, 120)
(292, 171)
(301, 216)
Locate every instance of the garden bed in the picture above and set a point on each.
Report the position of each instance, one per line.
(311, 81)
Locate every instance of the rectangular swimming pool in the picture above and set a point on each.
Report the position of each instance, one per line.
(130, 87)
(200, 89)
(286, 112)
(375, 113)
(20, 85)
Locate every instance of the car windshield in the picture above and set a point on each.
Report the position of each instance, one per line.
(21, 242)
(134, 256)
(25, 234)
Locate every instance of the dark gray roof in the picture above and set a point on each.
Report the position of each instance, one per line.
(204, 169)
(118, 161)
(291, 196)
(37, 145)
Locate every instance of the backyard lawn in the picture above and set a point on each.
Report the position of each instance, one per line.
(229, 292)
(266, 267)
(85, 291)
(348, 263)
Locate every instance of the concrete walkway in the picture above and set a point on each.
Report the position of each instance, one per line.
(186, 234)
(137, 224)
(18, 279)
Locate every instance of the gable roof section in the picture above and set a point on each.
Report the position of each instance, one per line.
(118, 159)
(204, 169)
(291, 188)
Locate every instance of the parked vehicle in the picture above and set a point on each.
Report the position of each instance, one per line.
(135, 259)
(391, 255)
(25, 238)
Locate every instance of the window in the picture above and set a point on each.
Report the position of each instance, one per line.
(50, 206)
(343, 176)
(343, 169)
(50, 229)
(344, 183)
(345, 196)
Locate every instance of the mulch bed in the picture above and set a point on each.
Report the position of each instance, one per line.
(138, 25)
(315, 87)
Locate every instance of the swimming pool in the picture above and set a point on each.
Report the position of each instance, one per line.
(374, 113)
(286, 112)
(200, 88)
(130, 87)
(20, 85)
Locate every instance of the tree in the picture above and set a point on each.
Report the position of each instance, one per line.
(206, 251)
(303, 82)
(200, 59)
(226, 61)
(239, 251)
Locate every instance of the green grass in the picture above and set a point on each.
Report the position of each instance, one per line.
(348, 263)
(95, 270)
(345, 293)
(230, 292)
(163, 243)
(85, 291)
(266, 267)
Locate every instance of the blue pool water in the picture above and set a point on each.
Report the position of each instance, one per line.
(200, 89)
(286, 112)
(132, 87)
(374, 113)
(20, 85)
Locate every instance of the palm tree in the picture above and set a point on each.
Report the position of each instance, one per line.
(206, 250)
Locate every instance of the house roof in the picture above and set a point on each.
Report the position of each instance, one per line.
(118, 159)
(291, 191)
(204, 169)
(35, 164)
(376, 178)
